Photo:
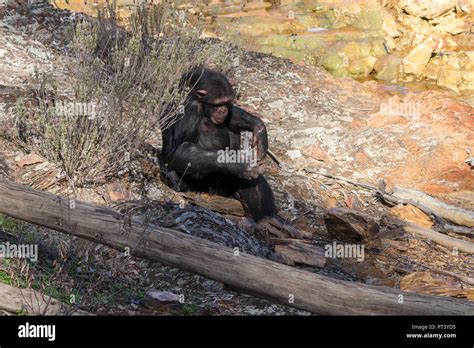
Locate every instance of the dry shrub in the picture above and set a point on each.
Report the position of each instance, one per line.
(127, 82)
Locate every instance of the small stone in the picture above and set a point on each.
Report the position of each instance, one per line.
(30, 159)
(448, 24)
(361, 67)
(294, 154)
(278, 104)
(161, 300)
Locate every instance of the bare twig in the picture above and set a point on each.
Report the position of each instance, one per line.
(274, 157)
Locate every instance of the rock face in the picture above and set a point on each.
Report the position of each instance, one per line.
(449, 79)
(353, 39)
(343, 127)
(427, 8)
(360, 131)
(418, 58)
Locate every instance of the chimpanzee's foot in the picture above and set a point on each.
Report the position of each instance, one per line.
(278, 227)
(245, 223)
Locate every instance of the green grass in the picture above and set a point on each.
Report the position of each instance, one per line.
(5, 278)
(31, 237)
(190, 309)
(8, 223)
(56, 293)
(43, 282)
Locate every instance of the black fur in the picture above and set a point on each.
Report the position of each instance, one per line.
(190, 146)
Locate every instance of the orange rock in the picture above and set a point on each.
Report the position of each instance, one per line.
(435, 189)
(316, 152)
(329, 202)
(379, 121)
(363, 158)
(470, 294)
(425, 283)
(412, 214)
(117, 192)
(410, 145)
(428, 151)
(30, 159)
(443, 157)
(357, 123)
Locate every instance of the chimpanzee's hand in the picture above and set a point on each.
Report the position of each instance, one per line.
(248, 172)
(260, 141)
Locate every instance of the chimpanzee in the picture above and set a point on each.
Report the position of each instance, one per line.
(212, 123)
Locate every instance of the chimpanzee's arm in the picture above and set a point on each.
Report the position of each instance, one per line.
(193, 160)
(242, 120)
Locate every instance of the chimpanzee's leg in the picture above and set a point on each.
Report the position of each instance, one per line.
(257, 197)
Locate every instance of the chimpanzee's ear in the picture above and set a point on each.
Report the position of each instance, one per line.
(201, 93)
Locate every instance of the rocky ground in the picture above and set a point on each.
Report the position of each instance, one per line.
(321, 128)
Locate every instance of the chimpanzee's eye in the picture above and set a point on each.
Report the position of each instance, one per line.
(219, 105)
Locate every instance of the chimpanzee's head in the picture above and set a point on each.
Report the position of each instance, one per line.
(213, 91)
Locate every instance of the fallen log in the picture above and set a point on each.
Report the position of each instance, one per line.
(465, 231)
(432, 205)
(442, 239)
(14, 300)
(298, 251)
(223, 205)
(253, 275)
(464, 279)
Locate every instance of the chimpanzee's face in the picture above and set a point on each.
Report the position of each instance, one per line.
(218, 112)
(216, 95)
